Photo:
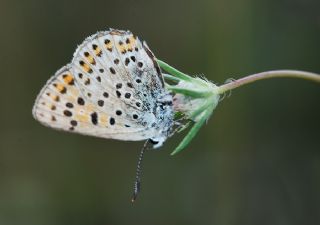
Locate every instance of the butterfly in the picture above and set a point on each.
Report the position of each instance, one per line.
(113, 88)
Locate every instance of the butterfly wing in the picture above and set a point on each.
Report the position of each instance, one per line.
(109, 90)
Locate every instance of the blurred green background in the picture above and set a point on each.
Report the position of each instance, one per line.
(257, 161)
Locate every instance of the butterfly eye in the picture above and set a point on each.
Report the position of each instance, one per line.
(153, 141)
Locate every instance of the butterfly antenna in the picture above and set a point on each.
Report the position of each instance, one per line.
(137, 182)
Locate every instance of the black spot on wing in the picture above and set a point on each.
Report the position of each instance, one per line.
(94, 118)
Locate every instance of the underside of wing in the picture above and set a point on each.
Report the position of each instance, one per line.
(61, 105)
(110, 89)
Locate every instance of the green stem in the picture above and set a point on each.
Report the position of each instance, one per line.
(266, 75)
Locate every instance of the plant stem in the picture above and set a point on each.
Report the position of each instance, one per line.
(266, 75)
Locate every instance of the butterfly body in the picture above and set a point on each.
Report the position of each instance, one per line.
(113, 88)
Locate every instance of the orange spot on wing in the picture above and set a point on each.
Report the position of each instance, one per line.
(131, 44)
(91, 59)
(98, 51)
(54, 97)
(60, 87)
(81, 118)
(86, 67)
(68, 79)
(103, 119)
(109, 45)
(121, 47)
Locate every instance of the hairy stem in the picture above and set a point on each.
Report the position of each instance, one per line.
(266, 75)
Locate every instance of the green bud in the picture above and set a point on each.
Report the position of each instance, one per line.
(195, 98)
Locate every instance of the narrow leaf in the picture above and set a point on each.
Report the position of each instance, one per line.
(193, 131)
(173, 71)
(170, 77)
